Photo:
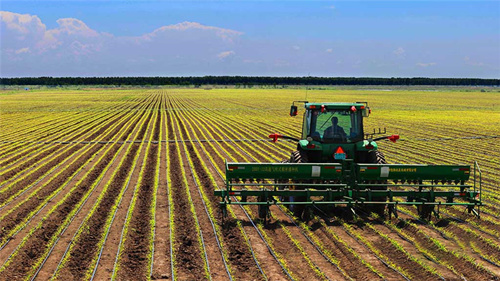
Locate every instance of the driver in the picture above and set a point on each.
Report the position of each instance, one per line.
(335, 131)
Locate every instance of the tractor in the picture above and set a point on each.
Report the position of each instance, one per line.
(337, 164)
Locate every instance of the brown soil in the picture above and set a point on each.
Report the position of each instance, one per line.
(463, 266)
(85, 248)
(394, 255)
(83, 252)
(495, 227)
(142, 132)
(4, 154)
(238, 254)
(136, 249)
(18, 156)
(53, 260)
(466, 239)
(108, 123)
(130, 129)
(156, 134)
(303, 272)
(110, 247)
(30, 252)
(186, 249)
(233, 236)
(34, 202)
(32, 178)
(66, 238)
(32, 162)
(161, 255)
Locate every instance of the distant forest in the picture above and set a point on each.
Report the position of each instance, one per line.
(245, 81)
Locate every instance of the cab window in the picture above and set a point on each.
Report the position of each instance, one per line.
(334, 126)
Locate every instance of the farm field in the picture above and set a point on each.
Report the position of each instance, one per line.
(118, 184)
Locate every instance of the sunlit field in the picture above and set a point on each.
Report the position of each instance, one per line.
(118, 183)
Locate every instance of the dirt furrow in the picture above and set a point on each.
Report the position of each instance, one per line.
(39, 159)
(134, 259)
(186, 250)
(33, 203)
(31, 251)
(70, 137)
(189, 261)
(161, 255)
(85, 248)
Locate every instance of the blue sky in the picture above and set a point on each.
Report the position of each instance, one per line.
(276, 38)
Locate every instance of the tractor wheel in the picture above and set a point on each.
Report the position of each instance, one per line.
(300, 211)
(377, 157)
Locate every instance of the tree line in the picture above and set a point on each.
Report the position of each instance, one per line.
(246, 81)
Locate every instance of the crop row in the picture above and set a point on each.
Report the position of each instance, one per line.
(146, 209)
(47, 226)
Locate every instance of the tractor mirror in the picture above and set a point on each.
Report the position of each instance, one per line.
(366, 112)
(293, 110)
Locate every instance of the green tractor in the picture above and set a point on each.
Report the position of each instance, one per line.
(337, 164)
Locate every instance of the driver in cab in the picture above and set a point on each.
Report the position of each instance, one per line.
(335, 131)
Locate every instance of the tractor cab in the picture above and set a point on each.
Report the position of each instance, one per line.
(334, 122)
(334, 131)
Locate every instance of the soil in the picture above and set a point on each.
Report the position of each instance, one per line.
(24, 261)
(17, 216)
(161, 255)
(186, 249)
(80, 257)
(134, 263)
(30, 163)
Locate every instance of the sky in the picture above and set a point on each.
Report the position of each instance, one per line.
(253, 38)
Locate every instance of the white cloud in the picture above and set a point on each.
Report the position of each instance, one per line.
(20, 31)
(74, 47)
(71, 26)
(226, 34)
(296, 48)
(226, 54)
(21, 24)
(22, 51)
(399, 52)
(421, 64)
